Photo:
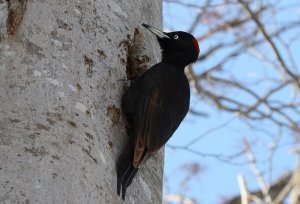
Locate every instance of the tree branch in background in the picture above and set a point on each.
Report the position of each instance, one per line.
(236, 29)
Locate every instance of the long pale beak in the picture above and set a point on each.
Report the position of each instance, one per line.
(156, 31)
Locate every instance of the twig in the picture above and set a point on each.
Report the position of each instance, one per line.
(270, 42)
(258, 175)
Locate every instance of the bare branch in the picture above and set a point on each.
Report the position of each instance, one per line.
(252, 163)
(274, 191)
(262, 29)
(239, 29)
(223, 158)
(243, 189)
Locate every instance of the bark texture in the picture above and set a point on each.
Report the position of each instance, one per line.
(61, 69)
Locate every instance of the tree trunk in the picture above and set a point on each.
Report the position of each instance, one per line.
(62, 71)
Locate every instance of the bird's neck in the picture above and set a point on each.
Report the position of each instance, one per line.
(177, 61)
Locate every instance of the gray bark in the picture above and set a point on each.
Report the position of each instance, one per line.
(61, 129)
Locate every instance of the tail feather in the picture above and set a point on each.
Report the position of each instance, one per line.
(125, 169)
(127, 180)
(121, 178)
(132, 176)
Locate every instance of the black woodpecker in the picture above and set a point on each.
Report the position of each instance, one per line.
(156, 103)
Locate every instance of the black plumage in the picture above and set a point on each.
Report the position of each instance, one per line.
(156, 103)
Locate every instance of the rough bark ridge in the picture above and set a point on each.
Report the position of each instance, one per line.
(61, 128)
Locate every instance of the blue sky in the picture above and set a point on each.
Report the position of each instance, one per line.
(219, 179)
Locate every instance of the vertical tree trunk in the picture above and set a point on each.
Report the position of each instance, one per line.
(61, 128)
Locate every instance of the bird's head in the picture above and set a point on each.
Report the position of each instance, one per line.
(179, 48)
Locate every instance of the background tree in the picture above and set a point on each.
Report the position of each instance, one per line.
(248, 67)
(62, 70)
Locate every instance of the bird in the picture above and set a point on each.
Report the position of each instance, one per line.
(156, 103)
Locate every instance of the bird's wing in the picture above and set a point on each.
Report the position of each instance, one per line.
(157, 116)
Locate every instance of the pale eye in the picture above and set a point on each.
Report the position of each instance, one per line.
(176, 37)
